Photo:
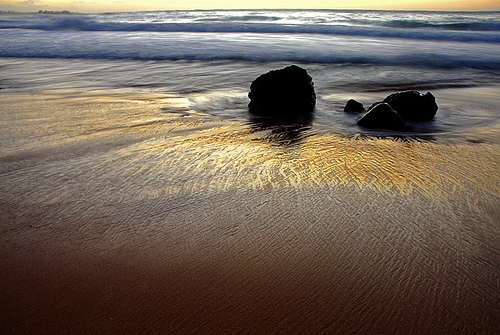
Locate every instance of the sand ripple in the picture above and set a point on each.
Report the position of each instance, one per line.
(132, 213)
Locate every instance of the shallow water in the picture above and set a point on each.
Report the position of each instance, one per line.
(211, 57)
(468, 99)
(130, 212)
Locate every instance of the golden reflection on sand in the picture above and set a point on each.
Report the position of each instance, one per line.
(216, 149)
(235, 157)
(127, 212)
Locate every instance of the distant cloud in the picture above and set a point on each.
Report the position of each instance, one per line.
(28, 2)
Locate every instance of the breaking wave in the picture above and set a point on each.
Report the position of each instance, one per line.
(467, 31)
(444, 40)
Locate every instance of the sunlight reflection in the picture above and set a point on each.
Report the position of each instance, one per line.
(165, 148)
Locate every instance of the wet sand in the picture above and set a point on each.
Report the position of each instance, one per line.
(127, 212)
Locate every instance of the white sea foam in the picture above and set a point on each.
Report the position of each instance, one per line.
(247, 46)
(400, 38)
(469, 29)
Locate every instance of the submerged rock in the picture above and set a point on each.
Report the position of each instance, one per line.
(382, 116)
(353, 106)
(413, 105)
(282, 93)
(397, 109)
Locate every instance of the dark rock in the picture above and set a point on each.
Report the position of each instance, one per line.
(398, 108)
(373, 105)
(413, 106)
(353, 106)
(282, 93)
(382, 116)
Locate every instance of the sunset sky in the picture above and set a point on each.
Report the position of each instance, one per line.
(133, 5)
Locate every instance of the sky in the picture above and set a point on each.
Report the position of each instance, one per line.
(134, 5)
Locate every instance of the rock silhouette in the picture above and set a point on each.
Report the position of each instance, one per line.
(353, 106)
(383, 116)
(396, 110)
(413, 105)
(283, 93)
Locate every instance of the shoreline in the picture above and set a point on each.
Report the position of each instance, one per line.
(133, 213)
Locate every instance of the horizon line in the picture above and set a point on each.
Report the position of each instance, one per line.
(59, 11)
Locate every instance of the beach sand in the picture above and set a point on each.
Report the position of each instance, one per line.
(127, 212)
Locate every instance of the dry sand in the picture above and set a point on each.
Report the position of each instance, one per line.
(128, 213)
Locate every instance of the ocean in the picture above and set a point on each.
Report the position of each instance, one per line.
(211, 57)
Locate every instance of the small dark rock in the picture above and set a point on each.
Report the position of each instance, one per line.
(373, 105)
(382, 116)
(413, 106)
(282, 93)
(353, 106)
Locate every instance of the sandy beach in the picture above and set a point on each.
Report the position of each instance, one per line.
(125, 211)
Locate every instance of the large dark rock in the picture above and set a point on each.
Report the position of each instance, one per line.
(283, 93)
(353, 106)
(413, 106)
(382, 116)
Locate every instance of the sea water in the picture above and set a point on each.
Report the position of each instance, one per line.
(211, 57)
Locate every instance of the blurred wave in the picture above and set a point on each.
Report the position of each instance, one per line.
(408, 29)
(312, 48)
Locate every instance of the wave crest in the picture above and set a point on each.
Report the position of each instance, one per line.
(472, 31)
